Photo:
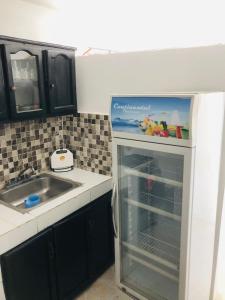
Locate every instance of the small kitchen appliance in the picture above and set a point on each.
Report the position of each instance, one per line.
(62, 160)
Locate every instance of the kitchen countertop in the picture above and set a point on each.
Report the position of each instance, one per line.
(16, 227)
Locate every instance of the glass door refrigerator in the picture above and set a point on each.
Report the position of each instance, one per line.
(166, 152)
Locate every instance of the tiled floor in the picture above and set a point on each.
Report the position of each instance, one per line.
(104, 288)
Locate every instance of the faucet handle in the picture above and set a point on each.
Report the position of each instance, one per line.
(26, 173)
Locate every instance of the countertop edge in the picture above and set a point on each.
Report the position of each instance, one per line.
(33, 223)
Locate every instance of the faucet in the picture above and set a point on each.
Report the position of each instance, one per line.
(26, 173)
(23, 176)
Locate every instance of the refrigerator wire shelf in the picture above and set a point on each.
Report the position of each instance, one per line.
(163, 172)
(169, 205)
(151, 176)
(138, 279)
(159, 250)
(136, 161)
(154, 209)
(150, 199)
(149, 166)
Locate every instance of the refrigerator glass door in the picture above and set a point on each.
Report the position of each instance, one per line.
(150, 193)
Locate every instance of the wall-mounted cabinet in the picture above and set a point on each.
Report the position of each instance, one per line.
(36, 80)
(60, 81)
(24, 71)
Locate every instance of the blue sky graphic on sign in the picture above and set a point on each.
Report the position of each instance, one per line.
(138, 113)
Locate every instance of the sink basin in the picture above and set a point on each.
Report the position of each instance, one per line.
(47, 186)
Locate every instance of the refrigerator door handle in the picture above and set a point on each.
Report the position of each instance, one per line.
(114, 196)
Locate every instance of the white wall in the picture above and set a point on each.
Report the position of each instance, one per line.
(35, 22)
(178, 70)
(218, 282)
(219, 268)
(132, 25)
(175, 70)
(99, 76)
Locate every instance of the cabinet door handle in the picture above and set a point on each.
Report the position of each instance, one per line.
(52, 85)
(51, 250)
(114, 197)
(91, 224)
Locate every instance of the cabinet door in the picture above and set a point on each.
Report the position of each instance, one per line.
(27, 272)
(100, 245)
(61, 82)
(70, 254)
(3, 99)
(25, 80)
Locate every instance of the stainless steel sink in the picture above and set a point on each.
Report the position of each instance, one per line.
(47, 186)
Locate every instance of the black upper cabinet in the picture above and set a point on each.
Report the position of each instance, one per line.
(3, 95)
(24, 68)
(36, 79)
(60, 82)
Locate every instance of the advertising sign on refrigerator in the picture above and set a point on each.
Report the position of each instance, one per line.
(152, 116)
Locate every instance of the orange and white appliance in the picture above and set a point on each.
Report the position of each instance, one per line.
(62, 160)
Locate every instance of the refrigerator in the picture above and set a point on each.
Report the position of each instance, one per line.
(166, 157)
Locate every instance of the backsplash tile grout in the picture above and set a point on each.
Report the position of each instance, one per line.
(31, 142)
(28, 143)
(89, 136)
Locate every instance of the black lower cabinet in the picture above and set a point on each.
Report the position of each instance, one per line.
(70, 254)
(60, 262)
(99, 233)
(27, 270)
(83, 247)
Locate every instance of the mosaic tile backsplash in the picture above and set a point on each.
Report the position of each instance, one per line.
(30, 143)
(89, 136)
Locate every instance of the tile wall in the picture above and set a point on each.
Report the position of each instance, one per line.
(89, 136)
(27, 143)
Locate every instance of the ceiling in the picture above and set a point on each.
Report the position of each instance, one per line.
(131, 25)
(48, 3)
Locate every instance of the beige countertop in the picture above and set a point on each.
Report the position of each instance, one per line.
(16, 227)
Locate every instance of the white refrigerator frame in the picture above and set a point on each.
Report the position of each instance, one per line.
(188, 154)
(201, 181)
